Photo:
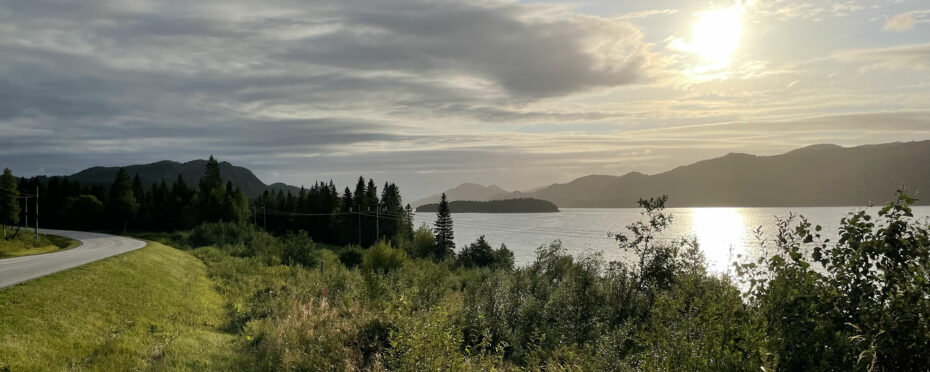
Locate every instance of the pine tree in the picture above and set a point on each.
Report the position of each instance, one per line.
(138, 190)
(212, 192)
(9, 200)
(445, 245)
(122, 203)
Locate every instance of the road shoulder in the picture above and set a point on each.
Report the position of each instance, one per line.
(153, 307)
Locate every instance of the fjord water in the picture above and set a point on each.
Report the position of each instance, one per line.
(722, 233)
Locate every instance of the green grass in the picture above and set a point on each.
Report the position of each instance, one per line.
(24, 244)
(150, 309)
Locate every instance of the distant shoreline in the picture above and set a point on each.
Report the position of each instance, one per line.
(524, 205)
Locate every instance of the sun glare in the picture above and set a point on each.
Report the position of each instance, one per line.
(716, 36)
(720, 233)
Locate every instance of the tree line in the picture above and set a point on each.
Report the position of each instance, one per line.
(359, 217)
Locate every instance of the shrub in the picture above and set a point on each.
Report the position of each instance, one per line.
(382, 259)
(351, 257)
(423, 244)
(860, 303)
(700, 324)
(480, 254)
(219, 234)
(299, 249)
(555, 301)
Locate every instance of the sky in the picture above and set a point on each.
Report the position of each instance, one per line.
(430, 94)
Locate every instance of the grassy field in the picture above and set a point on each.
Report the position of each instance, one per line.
(24, 244)
(150, 309)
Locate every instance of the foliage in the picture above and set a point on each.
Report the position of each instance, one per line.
(122, 204)
(861, 302)
(9, 202)
(480, 254)
(423, 244)
(445, 236)
(351, 257)
(382, 259)
(82, 212)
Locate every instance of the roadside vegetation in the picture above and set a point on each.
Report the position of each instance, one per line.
(287, 288)
(860, 303)
(25, 244)
(153, 309)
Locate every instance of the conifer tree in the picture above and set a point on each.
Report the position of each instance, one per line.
(138, 190)
(9, 203)
(212, 192)
(122, 203)
(445, 245)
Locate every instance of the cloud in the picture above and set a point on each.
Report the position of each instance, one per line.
(905, 57)
(645, 14)
(528, 93)
(900, 23)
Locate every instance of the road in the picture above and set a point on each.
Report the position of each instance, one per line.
(93, 247)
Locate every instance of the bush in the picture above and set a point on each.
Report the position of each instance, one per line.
(299, 249)
(351, 257)
(219, 234)
(555, 301)
(423, 244)
(480, 254)
(382, 259)
(862, 302)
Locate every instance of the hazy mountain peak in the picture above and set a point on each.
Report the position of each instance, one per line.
(466, 191)
(817, 175)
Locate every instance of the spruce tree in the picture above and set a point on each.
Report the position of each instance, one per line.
(9, 203)
(212, 192)
(122, 202)
(445, 245)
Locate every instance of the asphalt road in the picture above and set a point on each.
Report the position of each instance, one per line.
(93, 247)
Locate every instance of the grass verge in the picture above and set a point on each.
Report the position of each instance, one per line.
(24, 244)
(150, 309)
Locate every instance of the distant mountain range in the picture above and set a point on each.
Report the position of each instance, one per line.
(819, 175)
(191, 171)
(467, 191)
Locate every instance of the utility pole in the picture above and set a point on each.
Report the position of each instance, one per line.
(37, 212)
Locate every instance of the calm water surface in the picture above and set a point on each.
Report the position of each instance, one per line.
(721, 232)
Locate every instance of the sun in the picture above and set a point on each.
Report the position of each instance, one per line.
(716, 36)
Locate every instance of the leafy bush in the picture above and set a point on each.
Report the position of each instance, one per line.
(351, 257)
(480, 254)
(382, 259)
(299, 249)
(423, 244)
(862, 302)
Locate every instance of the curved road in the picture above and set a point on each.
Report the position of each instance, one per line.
(93, 247)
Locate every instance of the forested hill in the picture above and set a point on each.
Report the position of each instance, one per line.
(523, 205)
(820, 175)
(168, 171)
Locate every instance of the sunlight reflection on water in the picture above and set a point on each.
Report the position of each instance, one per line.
(719, 228)
(722, 233)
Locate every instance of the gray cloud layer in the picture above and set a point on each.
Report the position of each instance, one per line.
(413, 90)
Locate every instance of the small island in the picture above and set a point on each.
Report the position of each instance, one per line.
(523, 205)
